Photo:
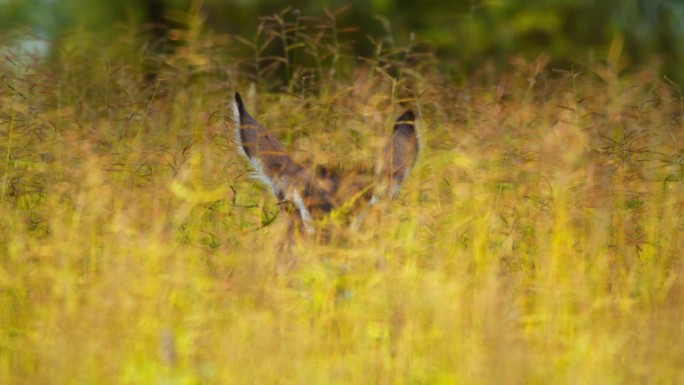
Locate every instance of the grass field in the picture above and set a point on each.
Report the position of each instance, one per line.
(538, 240)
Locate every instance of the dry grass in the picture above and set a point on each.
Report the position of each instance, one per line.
(538, 240)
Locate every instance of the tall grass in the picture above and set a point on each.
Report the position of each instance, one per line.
(538, 239)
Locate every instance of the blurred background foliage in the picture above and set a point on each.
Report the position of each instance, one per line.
(464, 33)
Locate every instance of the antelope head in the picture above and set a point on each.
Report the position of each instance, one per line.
(317, 194)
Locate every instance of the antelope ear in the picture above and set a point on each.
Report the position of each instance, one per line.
(272, 165)
(398, 156)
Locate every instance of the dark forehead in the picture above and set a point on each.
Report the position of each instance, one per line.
(342, 184)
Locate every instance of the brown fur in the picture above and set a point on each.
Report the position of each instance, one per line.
(312, 197)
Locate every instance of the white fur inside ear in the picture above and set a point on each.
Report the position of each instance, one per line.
(397, 188)
(306, 217)
(259, 175)
(237, 139)
(258, 168)
(417, 127)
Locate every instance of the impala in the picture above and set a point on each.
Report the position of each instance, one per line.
(316, 196)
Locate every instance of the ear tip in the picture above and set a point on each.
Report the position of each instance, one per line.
(408, 115)
(238, 102)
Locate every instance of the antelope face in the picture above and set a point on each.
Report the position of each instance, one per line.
(322, 193)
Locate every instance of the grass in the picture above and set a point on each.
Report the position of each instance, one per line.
(539, 239)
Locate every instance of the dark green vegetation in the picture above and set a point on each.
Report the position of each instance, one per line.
(467, 34)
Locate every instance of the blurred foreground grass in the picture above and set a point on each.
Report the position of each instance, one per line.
(538, 240)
